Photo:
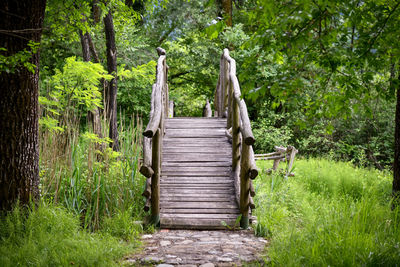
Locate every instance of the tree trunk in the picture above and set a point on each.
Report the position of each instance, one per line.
(111, 89)
(94, 115)
(396, 162)
(85, 45)
(225, 10)
(20, 21)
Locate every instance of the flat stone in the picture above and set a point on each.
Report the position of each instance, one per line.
(165, 265)
(151, 259)
(146, 236)
(208, 264)
(224, 259)
(185, 242)
(164, 243)
(175, 237)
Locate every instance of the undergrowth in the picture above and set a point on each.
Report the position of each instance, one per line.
(51, 236)
(328, 214)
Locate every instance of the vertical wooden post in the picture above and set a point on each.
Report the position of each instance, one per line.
(226, 90)
(236, 147)
(221, 88)
(155, 185)
(244, 186)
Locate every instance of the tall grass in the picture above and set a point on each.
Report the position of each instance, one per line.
(93, 184)
(330, 213)
(52, 236)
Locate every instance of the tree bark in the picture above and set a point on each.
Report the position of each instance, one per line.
(111, 89)
(85, 45)
(396, 162)
(20, 21)
(225, 10)
(94, 115)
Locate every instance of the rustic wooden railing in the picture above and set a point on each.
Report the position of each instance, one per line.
(152, 141)
(228, 103)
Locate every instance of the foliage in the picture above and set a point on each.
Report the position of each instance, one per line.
(329, 213)
(134, 91)
(73, 92)
(51, 236)
(10, 63)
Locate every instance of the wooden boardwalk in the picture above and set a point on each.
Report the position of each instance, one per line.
(196, 185)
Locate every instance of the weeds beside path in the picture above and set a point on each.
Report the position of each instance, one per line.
(330, 213)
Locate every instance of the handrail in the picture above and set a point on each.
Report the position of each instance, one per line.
(152, 140)
(228, 104)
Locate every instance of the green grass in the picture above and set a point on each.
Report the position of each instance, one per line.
(330, 213)
(52, 236)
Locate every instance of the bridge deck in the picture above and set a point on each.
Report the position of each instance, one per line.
(196, 186)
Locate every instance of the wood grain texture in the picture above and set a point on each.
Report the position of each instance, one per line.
(196, 186)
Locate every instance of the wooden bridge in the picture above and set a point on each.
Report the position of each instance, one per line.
(199, 170)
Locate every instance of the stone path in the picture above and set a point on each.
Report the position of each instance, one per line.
(200, 248)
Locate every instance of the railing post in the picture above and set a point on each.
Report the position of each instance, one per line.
(244, 186)
(155, 179)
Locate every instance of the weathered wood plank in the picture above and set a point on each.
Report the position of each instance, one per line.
(186, 223)
(194, 191)
(195, 174)
(208, 182)
(199, 149)
(194, 211)
(197, 164)
(166, 199)
(200, 216)
(197, 205)
(196, 169)
(200, 194)
(196, 178)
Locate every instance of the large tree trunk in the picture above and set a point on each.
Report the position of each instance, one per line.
(396, 162)
(111, 89)
(20, 22)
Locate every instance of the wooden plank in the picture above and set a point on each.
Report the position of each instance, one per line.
(189, 196)
(165, 199)
(197, 164)
(195, 158)
(195, 169)
(201, 149)
(194, 211)
(200, 216)
(196, 181)
(196, 178)
(196, 186)
(199, 205)
(218, 140)
(195, 126)
(197, 191)
(195, 174)
(186, 223)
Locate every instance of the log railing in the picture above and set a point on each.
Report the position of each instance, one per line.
(152, 141)
(228, 103)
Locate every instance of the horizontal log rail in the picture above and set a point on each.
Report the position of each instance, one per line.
(228, 103)
(152, 140)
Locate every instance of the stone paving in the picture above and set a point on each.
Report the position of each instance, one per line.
(200, 248)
